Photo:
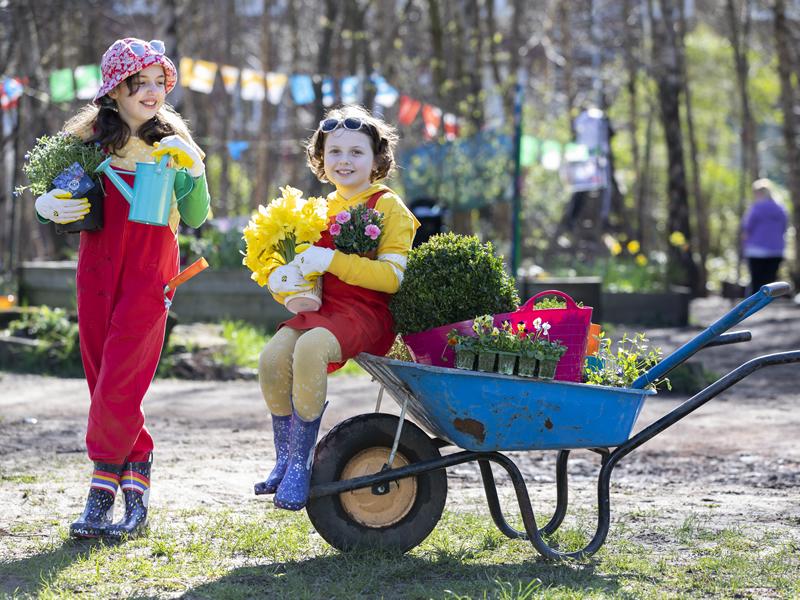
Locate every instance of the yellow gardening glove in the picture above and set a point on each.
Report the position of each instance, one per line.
(182, 153)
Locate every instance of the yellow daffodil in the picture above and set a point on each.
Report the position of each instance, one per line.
(276, 231)
(633, 247)
(676, 238)
(616, 248)
(641, 260)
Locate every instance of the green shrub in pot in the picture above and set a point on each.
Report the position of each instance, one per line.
(451, 278)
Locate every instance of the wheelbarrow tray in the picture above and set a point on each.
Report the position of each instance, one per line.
(489, 411)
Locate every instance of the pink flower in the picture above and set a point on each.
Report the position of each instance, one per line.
(343, 217)
(335, 229)
(372, 231)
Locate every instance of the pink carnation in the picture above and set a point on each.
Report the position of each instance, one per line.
(335, 229)
(343, 217)
(372, 231)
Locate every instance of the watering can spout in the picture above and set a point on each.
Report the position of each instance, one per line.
(119, 182)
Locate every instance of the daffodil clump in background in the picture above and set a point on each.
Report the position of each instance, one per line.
(278, 231)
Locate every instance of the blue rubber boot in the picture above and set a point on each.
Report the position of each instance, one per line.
(281, 431)
(292, 493)
(135, 485)
(99, 511)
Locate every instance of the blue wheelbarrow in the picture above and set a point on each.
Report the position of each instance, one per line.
(380, 480)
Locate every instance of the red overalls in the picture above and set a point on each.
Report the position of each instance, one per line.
(122, 270)
(359, 318)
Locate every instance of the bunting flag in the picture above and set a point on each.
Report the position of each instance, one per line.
(230, 77)
(385, 94)
(351, 89)
(528, 151)
(202, 78)
(236, 147)
(11, 90)
(87, 81)
(408, 110)
(450, 126)
(576, 152)
(276, 83)
(328, 92)
(432, 118)
(185, 68)
(62, 88)
(253, 85)
(551, 155)
(302, 89)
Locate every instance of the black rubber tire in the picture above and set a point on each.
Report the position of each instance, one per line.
(333, 453)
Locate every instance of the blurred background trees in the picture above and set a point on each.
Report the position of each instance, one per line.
(702, 97)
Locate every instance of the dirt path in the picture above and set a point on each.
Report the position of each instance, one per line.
(738, 454)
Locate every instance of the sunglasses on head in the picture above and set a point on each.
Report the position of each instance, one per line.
(350, 123)
(140, 48)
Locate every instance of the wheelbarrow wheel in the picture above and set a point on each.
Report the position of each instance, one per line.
(395, 521)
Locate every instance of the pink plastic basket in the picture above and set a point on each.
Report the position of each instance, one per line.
(570, 325)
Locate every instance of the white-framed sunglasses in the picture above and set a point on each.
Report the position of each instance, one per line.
(140, 48)
(349, 123)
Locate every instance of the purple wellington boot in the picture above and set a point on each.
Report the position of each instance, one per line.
(292, 492)
(281, 431)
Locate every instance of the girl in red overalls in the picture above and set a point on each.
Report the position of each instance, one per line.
(353, 150)
(122, 270)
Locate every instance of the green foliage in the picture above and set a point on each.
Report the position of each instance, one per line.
(222, 249)
(244, 343)
(239, 198)
(451, 278)
(58, 349)
(620, 366)
(52, 154)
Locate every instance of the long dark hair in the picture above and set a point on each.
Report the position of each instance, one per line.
(102, 124)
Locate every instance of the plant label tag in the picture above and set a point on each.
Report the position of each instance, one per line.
(73, 179)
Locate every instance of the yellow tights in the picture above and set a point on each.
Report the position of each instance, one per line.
(293, 369)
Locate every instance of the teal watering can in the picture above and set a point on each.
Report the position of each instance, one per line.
(153, 185)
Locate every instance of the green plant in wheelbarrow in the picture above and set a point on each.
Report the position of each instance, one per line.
(65, 162)
(448, 280)
(465, 347)
(619, 365)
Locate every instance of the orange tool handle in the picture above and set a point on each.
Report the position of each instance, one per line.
(199, 265)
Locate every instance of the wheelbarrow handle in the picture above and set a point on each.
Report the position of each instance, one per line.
(730, 338)
(778, 288)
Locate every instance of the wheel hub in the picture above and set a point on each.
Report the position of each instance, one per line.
(380, 509)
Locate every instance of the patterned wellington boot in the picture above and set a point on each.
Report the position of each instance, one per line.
(135, 485)
(292, 492)
(99, 511)
(281, 429)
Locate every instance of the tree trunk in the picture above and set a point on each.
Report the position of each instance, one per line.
(700, 206)
(632, 71)
(666, 69)
(783, 49)
(266, 157)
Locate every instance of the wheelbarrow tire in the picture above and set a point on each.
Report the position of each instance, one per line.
(422, 506)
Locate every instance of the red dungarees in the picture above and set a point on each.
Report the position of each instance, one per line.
(122, 270)
(359, 318)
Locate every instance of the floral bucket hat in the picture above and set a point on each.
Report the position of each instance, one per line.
(128, 56)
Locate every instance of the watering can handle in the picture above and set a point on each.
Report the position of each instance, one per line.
(187, 175)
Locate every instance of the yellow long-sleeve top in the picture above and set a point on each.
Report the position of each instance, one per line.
(385, 274)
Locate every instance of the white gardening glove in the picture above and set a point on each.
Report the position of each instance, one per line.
(59, 206)
(314, 260)
(286, 280)
(182, 153)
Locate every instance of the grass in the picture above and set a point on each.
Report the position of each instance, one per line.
(257, 551)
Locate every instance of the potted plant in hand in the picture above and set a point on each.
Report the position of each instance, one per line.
(64, 161)
(449, 280)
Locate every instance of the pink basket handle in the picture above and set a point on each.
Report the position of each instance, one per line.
(531, 301)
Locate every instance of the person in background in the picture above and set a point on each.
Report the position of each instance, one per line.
(122, 271)
(763, 230)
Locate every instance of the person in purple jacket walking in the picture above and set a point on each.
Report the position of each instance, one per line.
(763, 229)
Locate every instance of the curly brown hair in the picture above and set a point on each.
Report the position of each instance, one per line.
(383, 138)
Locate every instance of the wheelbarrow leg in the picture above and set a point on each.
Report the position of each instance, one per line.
(562, 498)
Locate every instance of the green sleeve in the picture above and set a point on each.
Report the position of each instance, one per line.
(194, 206)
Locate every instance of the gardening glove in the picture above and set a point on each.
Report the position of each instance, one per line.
(60, 207)
(182, 154)
(313, 261)
(286, 280)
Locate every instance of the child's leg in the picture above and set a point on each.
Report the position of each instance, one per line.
(275, 371)
(312, 353)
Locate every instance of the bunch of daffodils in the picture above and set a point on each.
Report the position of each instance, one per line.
(278, 231)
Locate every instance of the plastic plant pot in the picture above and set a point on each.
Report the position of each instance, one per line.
(465, 359)
(506, 362)
(527, 366)
(487, 360)
(547, 368)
